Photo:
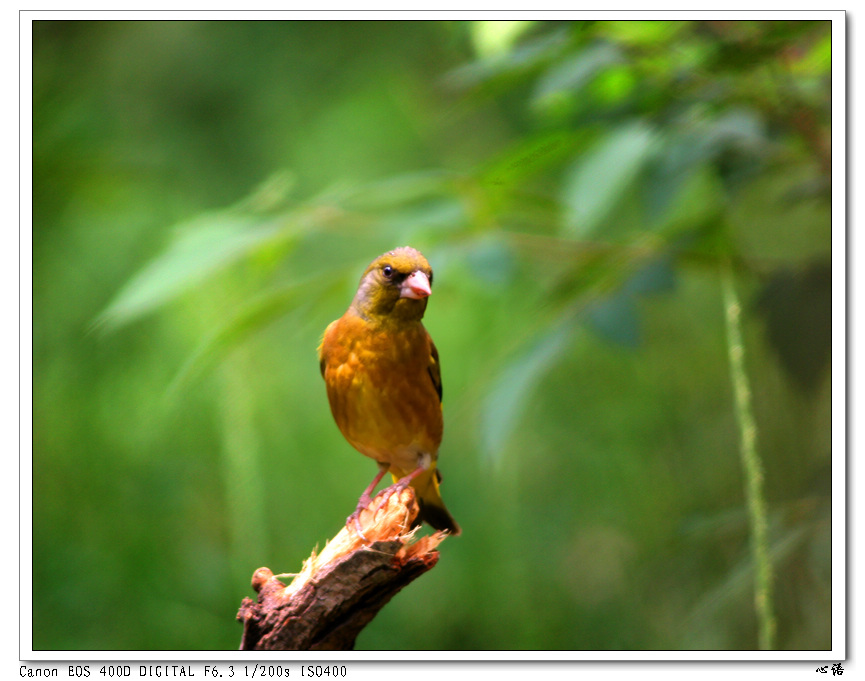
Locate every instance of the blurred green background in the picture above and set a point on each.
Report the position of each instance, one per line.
(206, 195)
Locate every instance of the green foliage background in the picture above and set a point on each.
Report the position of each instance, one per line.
(205, 197)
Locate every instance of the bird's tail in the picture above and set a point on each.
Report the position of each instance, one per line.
(432, 508)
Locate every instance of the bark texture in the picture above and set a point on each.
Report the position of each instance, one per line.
(341, 589)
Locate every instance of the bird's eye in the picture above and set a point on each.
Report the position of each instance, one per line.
(387, 271)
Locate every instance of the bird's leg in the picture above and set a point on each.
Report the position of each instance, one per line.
(403, 482)
(366, 499)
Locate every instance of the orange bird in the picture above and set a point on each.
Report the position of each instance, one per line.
(384, 384)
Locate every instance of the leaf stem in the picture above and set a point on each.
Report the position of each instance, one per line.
(751, 463)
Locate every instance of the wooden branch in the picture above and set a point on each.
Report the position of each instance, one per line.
(340, 590)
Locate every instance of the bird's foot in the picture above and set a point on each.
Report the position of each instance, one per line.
(354, 519)
(364, 502)
(398, 486)
(395, 488)
(381, 500)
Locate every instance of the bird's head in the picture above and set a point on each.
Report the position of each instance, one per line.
(395, 286)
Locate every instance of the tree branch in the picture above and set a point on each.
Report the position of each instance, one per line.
(340, 590)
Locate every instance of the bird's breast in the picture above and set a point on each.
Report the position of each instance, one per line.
(380, 390)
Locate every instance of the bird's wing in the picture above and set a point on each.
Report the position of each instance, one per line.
(322, 360)
(435, 371)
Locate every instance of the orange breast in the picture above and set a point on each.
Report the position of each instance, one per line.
(380, 390)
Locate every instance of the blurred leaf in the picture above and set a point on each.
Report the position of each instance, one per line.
(521, 59)
(575, 72)
(668, 172)
(204, 245)
(597, 181)
(682, 183)
(656, 276)
(269, 195)
(441, 214)
(644, 33)
(614, 84)
(683, 202)
(254, 317)
(817, 60)
(497, 37)
(491, 262)
(615, 318)
(401, 189)
(506, 400)
(737, 128)
(528, 156)
(735, 142)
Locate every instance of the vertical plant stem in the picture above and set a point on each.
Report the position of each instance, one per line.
(751, 465)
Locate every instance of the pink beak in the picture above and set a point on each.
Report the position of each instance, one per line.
(416, 285)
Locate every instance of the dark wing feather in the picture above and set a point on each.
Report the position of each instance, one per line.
(435, 371)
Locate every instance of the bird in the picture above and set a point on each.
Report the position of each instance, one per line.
(383, 378)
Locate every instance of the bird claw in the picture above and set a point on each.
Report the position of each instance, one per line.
(388, 492)
(354, 518)
(366, 500)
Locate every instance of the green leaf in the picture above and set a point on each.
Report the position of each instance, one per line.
(256, 315)
(572, 74)
(685, 201)
(670, 171)
(491, 262)
(439, 215)
(741, 129)
(205, 245)
(613, 85)
(657, 275)
(521, 59)
(643, 33)
(531, 155)
(398, 190)
(506, 400)
(497, 37)
(598, 180)
(615, 318)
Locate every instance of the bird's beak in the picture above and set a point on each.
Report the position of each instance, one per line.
(416, 286)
